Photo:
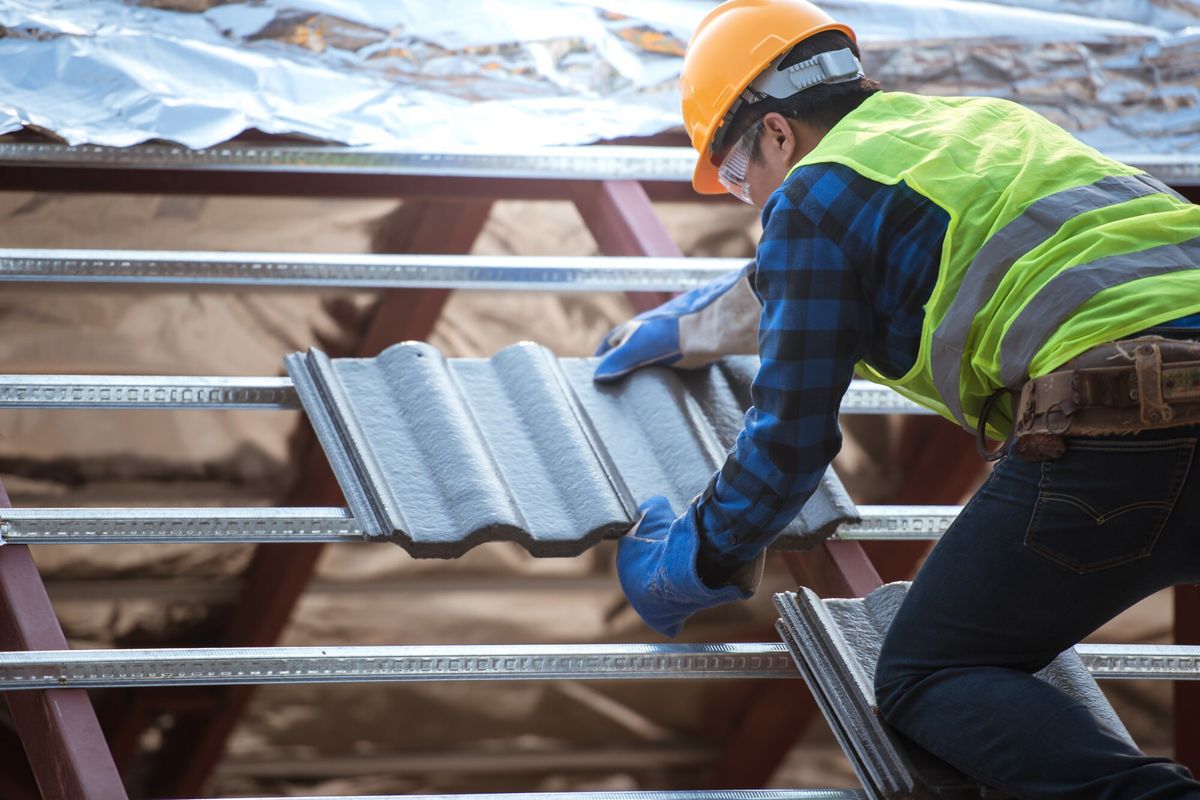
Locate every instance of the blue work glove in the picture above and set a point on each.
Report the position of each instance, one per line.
(694, 329)
(656, 563)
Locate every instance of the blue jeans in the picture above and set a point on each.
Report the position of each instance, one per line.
(1042, 556)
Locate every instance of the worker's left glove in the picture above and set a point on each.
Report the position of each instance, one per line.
(694, 329)
(656, 563)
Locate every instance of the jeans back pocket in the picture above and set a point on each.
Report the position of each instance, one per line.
(1105, 502)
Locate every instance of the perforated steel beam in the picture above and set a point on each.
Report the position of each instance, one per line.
(587, 163)
(209, 667)
(327, 525)
(146, 391)
(97, 669)
(665, 272)
(607, 162)
(1132, 661)
(267, 394)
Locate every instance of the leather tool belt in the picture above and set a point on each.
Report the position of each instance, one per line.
(1117, 388)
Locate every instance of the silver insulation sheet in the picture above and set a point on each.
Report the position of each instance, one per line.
(437, 74)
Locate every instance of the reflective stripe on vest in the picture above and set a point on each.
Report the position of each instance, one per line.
(1031, 228)
(1073, 287)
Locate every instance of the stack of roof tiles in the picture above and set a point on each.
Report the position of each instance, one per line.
(836, 643)
(441, 454)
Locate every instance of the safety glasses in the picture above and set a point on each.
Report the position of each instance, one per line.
(733, 169)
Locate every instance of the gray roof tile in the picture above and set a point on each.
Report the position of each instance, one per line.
(835, 643)
(441, 454)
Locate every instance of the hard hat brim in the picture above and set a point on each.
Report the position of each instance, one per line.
(704, 178)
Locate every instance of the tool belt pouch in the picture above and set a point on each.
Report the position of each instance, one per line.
(1118, 388)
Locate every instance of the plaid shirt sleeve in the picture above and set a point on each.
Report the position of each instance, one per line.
(843, 269)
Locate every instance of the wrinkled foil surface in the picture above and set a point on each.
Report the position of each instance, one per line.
(1124, 75)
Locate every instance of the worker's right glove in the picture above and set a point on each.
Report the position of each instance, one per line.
(688, 331)
(656, 564)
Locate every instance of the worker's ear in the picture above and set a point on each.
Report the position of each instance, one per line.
(778, 144)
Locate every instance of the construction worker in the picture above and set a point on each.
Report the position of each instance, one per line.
(987, 265)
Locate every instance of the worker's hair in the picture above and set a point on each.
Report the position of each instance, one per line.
(821, 106)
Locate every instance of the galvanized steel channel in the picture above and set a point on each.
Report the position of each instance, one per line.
(294, 665)
(268, 394)
(205, 667)
(329, 525)
(146, 391)
(1171, 662)
(337, 271)
(900, 523)
(177, 525)
(606, 162)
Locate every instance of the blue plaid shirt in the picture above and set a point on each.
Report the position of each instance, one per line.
(844, 269)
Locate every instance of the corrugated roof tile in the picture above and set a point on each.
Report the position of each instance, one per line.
(441, 454)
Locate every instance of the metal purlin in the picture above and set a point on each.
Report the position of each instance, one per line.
(232, 270)
(110, 669)
(570, 163)
(269, 394)
(610, 204)
(327, 525)
(618, 213)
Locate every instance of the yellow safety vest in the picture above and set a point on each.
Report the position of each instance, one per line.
(1051, 248)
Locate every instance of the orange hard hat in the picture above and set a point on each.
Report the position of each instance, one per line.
(732, 45)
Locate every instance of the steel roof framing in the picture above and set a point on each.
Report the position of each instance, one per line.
(456, 192)
(232, 270)
(310, 170)
(109, 669)
(567, 163)
(328, 525)
(266, 393)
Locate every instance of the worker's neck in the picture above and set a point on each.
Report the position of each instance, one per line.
(807, 138)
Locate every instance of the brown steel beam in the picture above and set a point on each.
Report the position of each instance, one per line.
(278, 574)
(774, 716)
(939, 460)
(623, 222)
(58, 727)
(16, 778)
(267, 183)
(1187, 693)
(835, 569)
